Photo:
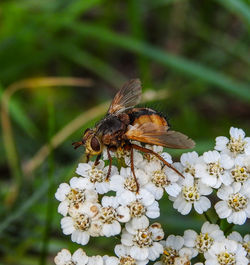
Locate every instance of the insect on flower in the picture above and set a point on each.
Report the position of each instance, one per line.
(123, 123)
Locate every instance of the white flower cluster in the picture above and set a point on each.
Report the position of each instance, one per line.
(124, 210)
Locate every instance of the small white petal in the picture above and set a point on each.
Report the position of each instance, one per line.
(116, 182)
(173, 189)
(67, 225)
(79, 257)
(146, 197)
(95, 260)
(111, 261)
(61, 192)
(221, 143)
(109, 201)
(153, 211)
(238, 218)
(102, 187)
(123, 214)
(126, 197)
(175, 242)
(222, 209)
(62, 257)
(140, 222)
(127, 239)
(211, 156)
(80, 237)
(189, 238)
(111, 229)
(63, 208)
(236, 133)
(83, 169)
(156, 191)
(235, 236)
(139, 253)
(202, 205)
(155, 251)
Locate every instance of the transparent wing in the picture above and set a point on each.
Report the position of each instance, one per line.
(128, 96)
(151, 133)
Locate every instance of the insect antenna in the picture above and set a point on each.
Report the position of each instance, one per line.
(77, 144)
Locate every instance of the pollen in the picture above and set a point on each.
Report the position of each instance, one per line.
(96, 175)
(108, 215)
(236, 146)
(75, 197)
(203, 242)
(160, 178)
(240, 174)
(137, 209)
(190, 169)
(169, 255)
(130, 184)
(82, 222)
(215, 169)
(143, 238)
(128, 260)
(226, 258)
(237, 202)
(191, 193)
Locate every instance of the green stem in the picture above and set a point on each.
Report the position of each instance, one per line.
(50, 204)
(207, 217)
(228, 229)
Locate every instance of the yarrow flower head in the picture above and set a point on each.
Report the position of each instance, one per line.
(192, 194)
(96, 174)
(73, 196)
(64, 257)
(244, 241)
(241, 170)
(84, 224)
(79, 257)
(93, 205)
(175, 252)
(142, 239)
(111, 214)
(201, 243)
(123, 257)
(214, 169)
(234, 204)
(226, 252)
(237, 144)
(162, 178)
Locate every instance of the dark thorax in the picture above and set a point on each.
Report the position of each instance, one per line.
(112, 128)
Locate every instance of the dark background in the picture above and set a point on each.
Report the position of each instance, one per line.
(194, 56)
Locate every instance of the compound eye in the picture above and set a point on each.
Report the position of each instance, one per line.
(95, 144)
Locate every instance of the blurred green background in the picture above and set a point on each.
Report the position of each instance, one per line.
(61, 61)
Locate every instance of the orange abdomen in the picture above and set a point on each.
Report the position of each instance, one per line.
(144, 115)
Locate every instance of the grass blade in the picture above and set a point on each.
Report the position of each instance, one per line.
(21, 118)
(185, 66)
(238, 7)
(92, 63)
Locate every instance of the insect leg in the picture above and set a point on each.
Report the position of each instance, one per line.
(110, 165)
(132, 168)
(97, 160)
(146, 150)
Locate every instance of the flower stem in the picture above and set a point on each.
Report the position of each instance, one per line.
(207, 217)
(228, 229)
